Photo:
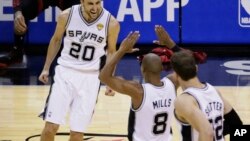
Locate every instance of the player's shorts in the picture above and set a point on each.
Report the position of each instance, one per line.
(75, 92)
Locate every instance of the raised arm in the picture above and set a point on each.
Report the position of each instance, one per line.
(164, 39)
(187, 110)
(118, 84)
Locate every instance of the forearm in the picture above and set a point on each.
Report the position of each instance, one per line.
(109, 57)
(110, 66)
(170, 44)
(204, 128)
(116, 57)
(205, 137)
(53, 49)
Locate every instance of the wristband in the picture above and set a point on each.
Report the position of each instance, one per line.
(18, 8)
(176, 48)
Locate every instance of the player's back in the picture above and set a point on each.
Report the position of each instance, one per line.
(151, 121)
(212, 106)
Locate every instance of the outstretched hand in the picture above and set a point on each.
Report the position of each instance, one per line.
(164, 38)
(127, 45)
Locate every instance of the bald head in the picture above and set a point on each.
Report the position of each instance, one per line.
(152, 63)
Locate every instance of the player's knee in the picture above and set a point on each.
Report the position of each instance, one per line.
(50, 129)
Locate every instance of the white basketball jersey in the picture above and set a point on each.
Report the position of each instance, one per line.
(151, 121)
(84, 42)
(212, 106)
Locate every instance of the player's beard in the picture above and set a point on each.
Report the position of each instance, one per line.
(93, 16)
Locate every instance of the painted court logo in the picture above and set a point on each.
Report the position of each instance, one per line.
(244, 13)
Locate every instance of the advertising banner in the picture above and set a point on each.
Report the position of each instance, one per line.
(187, 21)
(216, 22)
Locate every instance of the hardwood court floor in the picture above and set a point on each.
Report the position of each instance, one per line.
(20, 105)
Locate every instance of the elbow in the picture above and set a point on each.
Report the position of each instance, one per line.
(210, 134)
(206, 134)
(101, 77)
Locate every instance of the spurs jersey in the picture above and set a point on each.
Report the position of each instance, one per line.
(151, 121)
(212, 106)
(84, 42)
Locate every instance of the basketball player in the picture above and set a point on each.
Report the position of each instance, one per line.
(88, 27)
(24, 11)
(200, 109)
(152, 102)
(231, 118)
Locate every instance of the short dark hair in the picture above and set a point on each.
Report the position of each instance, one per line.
(184, 65)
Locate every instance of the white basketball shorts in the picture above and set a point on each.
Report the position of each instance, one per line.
(75, 92)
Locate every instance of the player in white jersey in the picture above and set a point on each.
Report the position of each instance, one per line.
(149, 121)
(88, 29)
(152, 102)
(231, 118)
(211, 104)
(200, 108)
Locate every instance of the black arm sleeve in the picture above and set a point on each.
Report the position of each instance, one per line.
(230, 119)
